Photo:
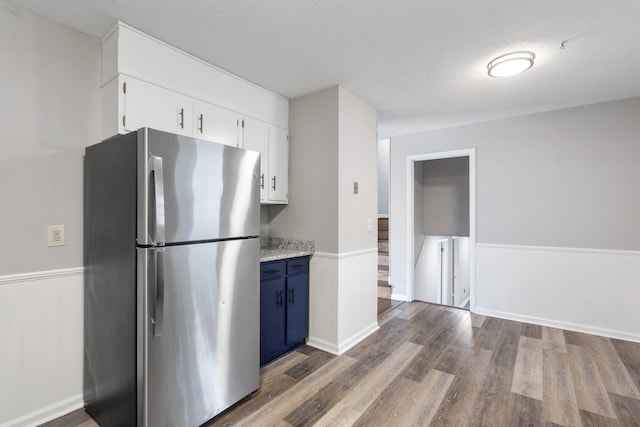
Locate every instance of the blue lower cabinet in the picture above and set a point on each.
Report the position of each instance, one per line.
(297, 308)
(272, 317)
(284, 306)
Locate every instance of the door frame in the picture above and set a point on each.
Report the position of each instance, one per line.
(410, 268)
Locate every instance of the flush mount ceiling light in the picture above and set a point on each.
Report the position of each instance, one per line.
(510, 64)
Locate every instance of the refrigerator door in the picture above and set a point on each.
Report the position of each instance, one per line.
(193, 190)
(202, 356)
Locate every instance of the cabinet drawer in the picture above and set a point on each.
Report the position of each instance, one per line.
(298, 265)
(272, 270)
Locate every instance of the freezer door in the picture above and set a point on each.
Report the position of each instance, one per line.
(194, 190)
(200, 329)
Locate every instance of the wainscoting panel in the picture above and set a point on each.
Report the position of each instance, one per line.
(41, 334)
(585, 290)
(323, 302)
(343, 299)
(357, 297)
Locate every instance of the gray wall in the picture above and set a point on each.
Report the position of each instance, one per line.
(333, 144)
(264, 220)
(312, 212)
(357, 156)
(50, 110)
(565, 178)
(418, 209)
(383, 177)
(445, 185)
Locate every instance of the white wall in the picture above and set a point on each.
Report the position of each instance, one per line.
(41, 337)
(563, 179)
(383, 177)
(461, 271)
(427, 270)
(49, 111)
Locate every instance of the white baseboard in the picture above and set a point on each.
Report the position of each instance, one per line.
(400, 297)
(347, 344)
(608, 333)
(48, 413)
(323, 345)
(355, 339)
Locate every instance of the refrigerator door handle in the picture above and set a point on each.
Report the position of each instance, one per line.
(158, 197)
(157, 317)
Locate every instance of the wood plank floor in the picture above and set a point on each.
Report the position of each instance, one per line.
(435, 365)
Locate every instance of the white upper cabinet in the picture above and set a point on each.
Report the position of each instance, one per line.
(148, 83)
(215, 124)
(255, 136)
(278, 165)
(147, 105)
(272, 143)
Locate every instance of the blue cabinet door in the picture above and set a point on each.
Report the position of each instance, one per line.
(297, 308)
(273, 303)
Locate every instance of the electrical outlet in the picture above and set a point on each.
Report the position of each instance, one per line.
(55, 235)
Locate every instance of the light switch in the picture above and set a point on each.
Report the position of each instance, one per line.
(369, 225)
(355, 187)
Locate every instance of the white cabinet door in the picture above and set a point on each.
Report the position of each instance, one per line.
(255, 136)
(148, 105)
(278, 165)
(215, 124)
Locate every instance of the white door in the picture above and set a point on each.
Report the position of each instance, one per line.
(255, 136)
(148, 105)
(215, 124)
(278, 164)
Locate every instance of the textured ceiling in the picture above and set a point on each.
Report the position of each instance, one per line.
(421, 63)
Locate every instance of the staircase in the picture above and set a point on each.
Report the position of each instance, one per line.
(384, 289)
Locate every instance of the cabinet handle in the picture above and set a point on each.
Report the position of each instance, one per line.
(262, 181)
(293, 296)
(182, 118)
(279, 298)
(274, 183)
(201, 118)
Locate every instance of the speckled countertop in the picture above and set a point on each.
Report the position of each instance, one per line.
(274, 248)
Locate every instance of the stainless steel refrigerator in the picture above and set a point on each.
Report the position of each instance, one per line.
(171, 249)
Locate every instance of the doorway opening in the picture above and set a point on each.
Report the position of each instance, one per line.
(441, 220)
